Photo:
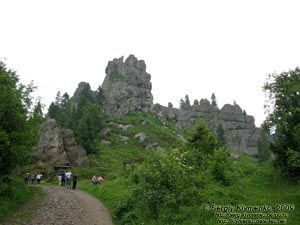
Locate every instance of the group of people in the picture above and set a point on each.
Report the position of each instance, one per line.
(64, 179)
(29, 179)
(97, 180)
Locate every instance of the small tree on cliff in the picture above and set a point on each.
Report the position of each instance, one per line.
(187, 100)
(213, 99)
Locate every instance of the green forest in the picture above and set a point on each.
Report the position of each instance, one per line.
(183, 183)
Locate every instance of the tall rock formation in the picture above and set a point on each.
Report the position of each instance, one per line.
(126, 86)
(58, 146)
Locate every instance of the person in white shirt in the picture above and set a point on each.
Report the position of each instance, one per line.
(38, 178)
(68, 179)
(59, 179)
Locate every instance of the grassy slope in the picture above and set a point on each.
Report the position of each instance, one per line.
(111, 156)
(265, 185)
(259, 183)
(20, 199)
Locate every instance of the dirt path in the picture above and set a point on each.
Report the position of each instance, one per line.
(63, 206)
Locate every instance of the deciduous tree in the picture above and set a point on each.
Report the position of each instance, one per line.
(283, 107)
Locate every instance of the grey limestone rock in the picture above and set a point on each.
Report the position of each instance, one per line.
(141, 136)
(126, 86)
(235, 156)
(124, 138)
(57, 146)
(240, 131)
(105, 142)
(105, 131)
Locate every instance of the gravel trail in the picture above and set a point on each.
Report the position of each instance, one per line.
(63, 206)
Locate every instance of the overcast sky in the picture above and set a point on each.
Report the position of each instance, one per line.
(190, 47)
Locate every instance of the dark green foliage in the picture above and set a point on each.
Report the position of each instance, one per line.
(221, 135)
(181, 103)
(164, 186)
(221, 166)
(16, 193)
(283, 92)
(203, 139)
(84, 116)
(187, 100)
(88, 127)
(114, 75)
(263, 148)
(53, 110)
(170, 186)
(100, 97)
(213, 99)
(19, 123)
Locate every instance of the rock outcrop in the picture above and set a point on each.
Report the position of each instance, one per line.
(240, 132)
(126, 86)
(58, 146)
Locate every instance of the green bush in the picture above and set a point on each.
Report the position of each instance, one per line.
(14, 193)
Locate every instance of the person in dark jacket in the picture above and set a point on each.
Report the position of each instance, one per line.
(63, 178)
(75, 177)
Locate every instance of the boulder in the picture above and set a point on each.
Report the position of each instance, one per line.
(141, 136)
(105, 142)
(58, 146)
(235, 156)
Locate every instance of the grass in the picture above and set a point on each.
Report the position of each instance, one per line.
(258, 184)
(111, 156)
(266, 186)
(21, 204)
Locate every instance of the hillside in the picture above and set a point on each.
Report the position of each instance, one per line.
(136, 136)
(256, 184)
(126, 92)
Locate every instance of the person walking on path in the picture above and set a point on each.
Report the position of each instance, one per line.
(63, 178)
(59, 179)
(75, 177)
(68, 179)
(38, 178)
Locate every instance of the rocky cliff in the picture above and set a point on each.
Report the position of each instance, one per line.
(240, 132)
(58, 146)
(127, 86)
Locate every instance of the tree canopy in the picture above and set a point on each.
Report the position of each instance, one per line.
(83, 115)
(283, 107)
(20, 118)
